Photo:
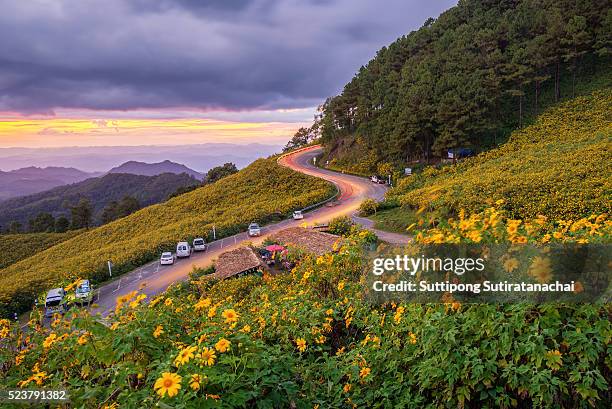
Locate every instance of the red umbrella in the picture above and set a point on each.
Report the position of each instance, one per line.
(274, 248)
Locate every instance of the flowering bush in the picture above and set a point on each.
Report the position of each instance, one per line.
(308, 338)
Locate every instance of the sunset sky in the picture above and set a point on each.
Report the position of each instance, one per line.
(132, 72)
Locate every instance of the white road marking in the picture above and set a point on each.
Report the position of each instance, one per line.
(119, 286)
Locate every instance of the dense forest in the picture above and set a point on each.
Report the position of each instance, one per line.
(467, 79)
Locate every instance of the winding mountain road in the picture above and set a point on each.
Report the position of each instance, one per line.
(153, 278)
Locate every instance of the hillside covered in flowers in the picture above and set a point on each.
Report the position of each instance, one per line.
(558, 167)
(262, 191)
(309, 338)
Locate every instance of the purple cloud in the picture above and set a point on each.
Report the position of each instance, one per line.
(236, 55)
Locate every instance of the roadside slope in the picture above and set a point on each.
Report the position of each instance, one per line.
(257, 193)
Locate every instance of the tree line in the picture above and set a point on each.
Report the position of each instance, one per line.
(81, 216)
(469, 77)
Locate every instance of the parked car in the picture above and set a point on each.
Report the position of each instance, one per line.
(166, 258)
(55, 302)
(84, 293)
(297, 215)
(199, 244)
(378, 179)
(183, 249)
(254, 230)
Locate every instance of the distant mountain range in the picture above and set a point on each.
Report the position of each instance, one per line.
(152, 169)
(100, 191)
(200, 157)
(32, 179)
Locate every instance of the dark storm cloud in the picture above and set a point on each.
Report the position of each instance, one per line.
(232, 54)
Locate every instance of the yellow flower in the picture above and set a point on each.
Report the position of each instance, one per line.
(50, 340)
(222, 345)
(554, 360)
(158, 331)
(519, 239)
(196, 382)
(341, 285)
(212, 312)
(114, 326)
(541, 269)
(246, 328)
(475, 236)
(413, 338)
(230, 316)
(301, 344)
(364, 372)
(203, 303)
(83, 339)
(208, 356)
(398, 314)
(347, 388)
(512, 226)
(558, 235)
(184, 356)
(19, 358)
(169, 383)
(168, 302)
(511, 264)
(155, 302)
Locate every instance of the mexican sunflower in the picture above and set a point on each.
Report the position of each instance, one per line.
(169, 383)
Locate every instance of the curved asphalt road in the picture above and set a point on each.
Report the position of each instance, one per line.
(153, 278)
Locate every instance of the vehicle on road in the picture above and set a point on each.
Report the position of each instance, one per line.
(378, 179)
(199, 244)
(84, 293)
(183, 249)
(254, 230)
(167, 258)
(298, 215)
(55, 302)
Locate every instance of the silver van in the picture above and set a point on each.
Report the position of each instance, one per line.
(183, 249)
(55, 302)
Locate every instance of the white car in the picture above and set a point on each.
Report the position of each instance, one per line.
(199, 244)
(254, 230)
(84, 292)
(166, 258)
(183, 249)
(297, 215)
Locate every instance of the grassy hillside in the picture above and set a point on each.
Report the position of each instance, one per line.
(558, 167)
(256, 193)
(100, 191)
(16, 247)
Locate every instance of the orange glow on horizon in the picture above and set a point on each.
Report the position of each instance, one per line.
(57, 132)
